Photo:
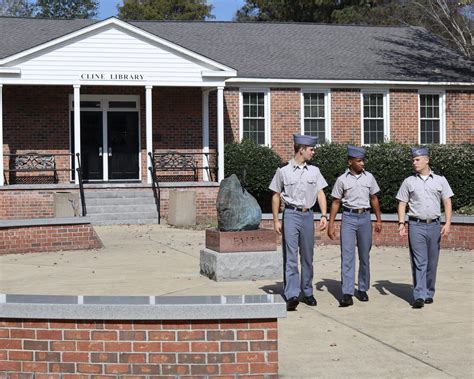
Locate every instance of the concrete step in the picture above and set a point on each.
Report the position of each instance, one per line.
(120, 208)
(123, 216)
(110, 201)
(147, 221)
(117, 194)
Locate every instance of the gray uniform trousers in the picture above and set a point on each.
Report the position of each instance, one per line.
(424, 253)
(355, 227)
(298, 230)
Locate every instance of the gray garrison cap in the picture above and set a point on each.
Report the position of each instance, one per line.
(355, 152)
(419, 151)
(300, 139)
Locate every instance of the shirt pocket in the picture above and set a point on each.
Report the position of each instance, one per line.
(290, 186)
(435, 191)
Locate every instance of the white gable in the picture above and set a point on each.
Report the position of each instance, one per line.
(113, 55)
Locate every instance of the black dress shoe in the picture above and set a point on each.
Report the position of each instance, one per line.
(346, 301)
(362, 296)
(429, 300)
(309, 300)
(419, 303)
(292, 303)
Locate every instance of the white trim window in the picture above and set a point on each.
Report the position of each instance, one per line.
(316, 114)
(254, 115)
(431, 118)
(375, 125)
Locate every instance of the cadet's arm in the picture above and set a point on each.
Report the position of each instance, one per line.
(336, 204)
(402, 207)
(448, 211)
(374, 203)
(275, 211)
(323, 205)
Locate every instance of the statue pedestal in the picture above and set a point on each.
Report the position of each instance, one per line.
(244, 255)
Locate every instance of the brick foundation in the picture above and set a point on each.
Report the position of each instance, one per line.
(44, 238)
(65, 349)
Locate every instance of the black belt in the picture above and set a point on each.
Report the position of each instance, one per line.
(297, 208)
(358, 210)
(427, 221)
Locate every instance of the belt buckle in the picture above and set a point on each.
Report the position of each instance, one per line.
(360, 210)
(304, 210)
(429, 220)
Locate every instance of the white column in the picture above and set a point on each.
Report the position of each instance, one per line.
(205, 134)
(220, 132)
(77, 127)
(149, 130)
(1, 136)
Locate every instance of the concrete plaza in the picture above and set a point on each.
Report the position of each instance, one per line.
(383, 338)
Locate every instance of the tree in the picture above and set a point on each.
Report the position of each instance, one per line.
(165, 10)
(16, 8)
(67, 8)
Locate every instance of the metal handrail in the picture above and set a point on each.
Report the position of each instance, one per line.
(155, 185)
(81, 185)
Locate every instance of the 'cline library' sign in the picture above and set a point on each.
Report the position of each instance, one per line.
(112, 76)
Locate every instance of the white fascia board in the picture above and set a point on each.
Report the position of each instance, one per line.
(126, 26)
(10, 70)
(218, 74)
(347, 82)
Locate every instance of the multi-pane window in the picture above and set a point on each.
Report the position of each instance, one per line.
(373, 118)
(314, 116)
(430, 120)
(253, 125)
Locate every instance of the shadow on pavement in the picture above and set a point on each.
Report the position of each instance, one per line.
(332, 286)
(274, 289)
(402, 290)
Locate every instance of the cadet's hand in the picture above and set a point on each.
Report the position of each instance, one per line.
(323, 223)
(378, 226)
(331, 231)
(445, 230)
(277, 226)
(402, 230)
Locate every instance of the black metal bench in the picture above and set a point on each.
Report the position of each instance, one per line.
(29, 164)
(173, 166)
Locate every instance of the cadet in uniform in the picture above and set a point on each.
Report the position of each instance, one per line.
(356, 190)
(423, 192)
(297, 185)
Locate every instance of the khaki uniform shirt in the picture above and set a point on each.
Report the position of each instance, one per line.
(298, 185)
(354, 191)
(424, 196)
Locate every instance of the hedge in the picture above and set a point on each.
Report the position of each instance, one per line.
(390, 163)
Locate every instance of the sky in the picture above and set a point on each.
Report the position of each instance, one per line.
(224, 10)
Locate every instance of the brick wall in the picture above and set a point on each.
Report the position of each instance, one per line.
(404, 116)
(345, 115)
(460, 116)
(30, 239)
(285, 120)
(88, 349)
(36, 118)
(29, 204)
(461, 236)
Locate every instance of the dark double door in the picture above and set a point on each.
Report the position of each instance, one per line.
(111, 151)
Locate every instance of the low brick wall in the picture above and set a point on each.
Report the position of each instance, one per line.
(47, 235)
(461, 235)
(37, 201)
(66, 348)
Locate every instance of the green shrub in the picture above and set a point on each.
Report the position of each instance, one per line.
(260, 163)
(390, 163)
